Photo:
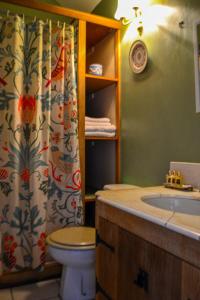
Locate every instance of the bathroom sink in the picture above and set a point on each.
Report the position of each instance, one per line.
(185, 205)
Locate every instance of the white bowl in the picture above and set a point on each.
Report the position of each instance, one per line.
(96, 69)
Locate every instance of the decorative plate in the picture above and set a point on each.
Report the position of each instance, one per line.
(138, 57)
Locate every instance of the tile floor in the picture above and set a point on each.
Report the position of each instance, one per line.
(44, 290)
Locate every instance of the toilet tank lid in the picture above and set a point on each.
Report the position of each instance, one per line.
(74, 236)
(118, 186)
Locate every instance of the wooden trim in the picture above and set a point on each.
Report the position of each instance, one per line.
(87, 75)
(93, 84)
(58, 10)
(118, 100)
(90, 198)
(101, 138)
(81, 97)
(51, 270)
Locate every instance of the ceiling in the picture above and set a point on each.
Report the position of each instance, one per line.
(83, 5)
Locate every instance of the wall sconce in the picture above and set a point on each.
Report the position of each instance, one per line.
(130, 11)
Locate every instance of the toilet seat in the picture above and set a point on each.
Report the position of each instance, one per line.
(73, 238)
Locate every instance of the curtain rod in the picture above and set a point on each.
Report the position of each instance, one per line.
(7, 12)
(49, 8)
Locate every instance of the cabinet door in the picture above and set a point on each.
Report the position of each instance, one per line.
(146, 272)
(106, 260)
(190, 282)
(132, 257)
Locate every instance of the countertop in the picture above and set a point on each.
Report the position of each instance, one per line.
(130, 201)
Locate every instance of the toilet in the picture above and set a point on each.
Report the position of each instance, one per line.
(74, 248)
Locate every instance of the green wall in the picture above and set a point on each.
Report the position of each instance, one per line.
(158, 122)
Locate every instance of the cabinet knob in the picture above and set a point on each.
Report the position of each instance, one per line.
(142, 280)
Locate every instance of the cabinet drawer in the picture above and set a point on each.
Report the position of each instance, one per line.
(108, 233)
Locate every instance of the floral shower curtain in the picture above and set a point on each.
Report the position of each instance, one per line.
(40, 185)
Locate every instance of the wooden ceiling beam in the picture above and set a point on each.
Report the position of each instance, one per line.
(54, 9)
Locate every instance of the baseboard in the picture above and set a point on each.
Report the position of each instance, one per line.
(51, 270)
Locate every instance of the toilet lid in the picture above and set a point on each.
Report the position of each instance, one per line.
(74, 236)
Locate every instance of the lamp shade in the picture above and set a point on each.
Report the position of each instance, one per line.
(124, 9)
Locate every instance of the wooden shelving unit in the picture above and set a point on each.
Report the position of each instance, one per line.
(102, 99)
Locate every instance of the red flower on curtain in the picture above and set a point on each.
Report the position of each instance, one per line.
(74, 114)
(3, 174)
(25, 175)
(9, 246)
(27, 108)
(42, 241)
(56, 137)
(46, 172)
(42, 245)
(2, 81)
(73, 204)
(9, 243)
(58, 71)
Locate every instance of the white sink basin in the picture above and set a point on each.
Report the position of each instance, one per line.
(184, 205)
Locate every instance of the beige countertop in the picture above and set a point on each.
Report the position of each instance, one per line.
(131, 202)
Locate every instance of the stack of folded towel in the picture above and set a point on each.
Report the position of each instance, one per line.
(99, 127)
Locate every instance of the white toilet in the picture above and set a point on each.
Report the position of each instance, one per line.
(74, 248)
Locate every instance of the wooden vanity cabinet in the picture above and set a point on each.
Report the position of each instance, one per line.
(129, 267)
(190, 282)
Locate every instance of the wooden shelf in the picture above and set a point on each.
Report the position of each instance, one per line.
(96, 33)
(95, 83)
(101, 138)
(89, 198)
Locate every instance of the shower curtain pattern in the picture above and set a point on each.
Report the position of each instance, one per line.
(40, 184)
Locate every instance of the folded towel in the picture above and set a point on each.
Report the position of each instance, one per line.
(87, 123)
(100, 133)
(107, 120)
(108, 130)
(100, 128)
